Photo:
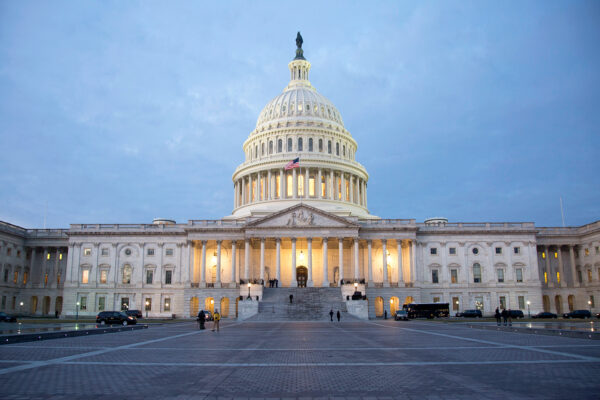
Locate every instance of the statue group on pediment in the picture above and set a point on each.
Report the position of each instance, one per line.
(300, 219)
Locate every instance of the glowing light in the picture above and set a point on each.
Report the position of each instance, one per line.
(301, 255)
(212, 301)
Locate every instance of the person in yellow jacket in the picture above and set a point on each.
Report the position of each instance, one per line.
(216, 319)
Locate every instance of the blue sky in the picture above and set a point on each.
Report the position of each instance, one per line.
(119, 112)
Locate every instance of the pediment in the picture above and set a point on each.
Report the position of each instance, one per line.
(302, 216)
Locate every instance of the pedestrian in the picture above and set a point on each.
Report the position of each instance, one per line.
(56, 314)
(385, 314)
(504, 315)
(509, 317)
(276, 282)
(498, 316)
(216, 319)
(201, 319)
(331, 314)
(291, 298)
(339, 315)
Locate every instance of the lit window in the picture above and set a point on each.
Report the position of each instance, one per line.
(545, 277)
(148, 303)
(60, 256)
(16, 276)
(289, 186)
(587, 252)
(127, 274)
(502, 302)
(124, 303)
(555, 254)
(479, 303)
(25, 277)
(557, 277)
(589, 274)
(301, 185)
(517, 250)
(85, 276)
(436, 299)
(58, 279)
(323, 187)
(150, 252)
(168, 277)
(103, 276)
(452, 250)
(434, 276)
(101, 303)
(169, 252)
(498, 250)
(83, 303)
(167, 306)
(476, 273)
(454, 275)
(48, 256)
(519, 273)
(278, 186)
(45, 279)
(86, 252)
(433, 251)
(311, 186)
(543, 254)
(500, 273)
(149, 277)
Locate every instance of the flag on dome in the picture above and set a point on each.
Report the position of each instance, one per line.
(295, 163)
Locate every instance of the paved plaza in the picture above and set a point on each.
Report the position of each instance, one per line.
(370, 359)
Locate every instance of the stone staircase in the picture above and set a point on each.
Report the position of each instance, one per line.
(310, 304)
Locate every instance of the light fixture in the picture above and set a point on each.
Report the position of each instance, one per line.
(355, 285)
(212, 301)
(392, 301)
(301, 255)
(249, 285)
(214, 258)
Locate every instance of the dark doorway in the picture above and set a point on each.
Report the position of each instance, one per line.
(301, 276)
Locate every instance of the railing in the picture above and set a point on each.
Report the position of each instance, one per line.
(479, 225)
(126, 227)
(380, 222)
(47, 233)
(215, 223)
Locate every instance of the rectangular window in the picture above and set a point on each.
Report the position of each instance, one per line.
(45, 280)
(579, 277)
(521, 300)
(452, 251)
(60, 256)
(6, 275)
(148, 304)
(589, 274)
(8, 251)
(347, 190)
(168, 275)
(103, 276)
(455, 304)
(519, 273)
(86, 252)
(15, 277)
(543, 254)
(277, 186)
(339, 186)
(301, 185)
(83, 303)
(149, 276)
(58, 279)
(25, 277)
(311, 186)
(101, 303)
(477, 273)
(85, 276)
(169, 252)
(124, 303)
(434, 276)
(587, 252)
(433, 251)
(14, 302)
(253, 190)
(502, 302)
(498, 250)
(167, 306)
(289, 185)
(18, 253)
(150, 252)
(597, 249)
(557, 277)
(517, 250)
(500, 275)
(454, 275)
(436, 299)
(104, 252)
(323, 187)
(479, 303)
(545, 277)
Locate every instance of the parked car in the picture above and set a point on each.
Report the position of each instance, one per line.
(578, 314)
(401, 315)
(516, 314)
(115, 317)
(472, 314)
(4, 317)
(598, 315)
(208, 315)
(544, 314)
(134, 313)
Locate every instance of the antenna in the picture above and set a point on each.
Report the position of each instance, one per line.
(45, 213)
(562, 212)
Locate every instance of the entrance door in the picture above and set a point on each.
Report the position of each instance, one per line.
(301, 276)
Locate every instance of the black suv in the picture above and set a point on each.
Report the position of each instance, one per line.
(4, 317)
(472, 314)
(115, 317)
(516, 314)
(134, 313)
(578, 314)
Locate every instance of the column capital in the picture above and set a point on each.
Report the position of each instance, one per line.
(384, 241)
(219, 241)
(309, 239)
(293, 240)
(262, 239)
(277, 240)
(325, 240)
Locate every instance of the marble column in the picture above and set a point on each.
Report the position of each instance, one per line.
(309, 282)
(386, 282)
(356, 260)
(332, 185)
(400, 264)
(413, 261)
(294, 283)
(341, 259)
(278, 259)
(233, 257)
(243, 181)
(325, 270)
(269, 186)
(259, 187)
(247, 260)
(218, 282)
(203, 265)
(547, 267)
(250, 189)
(295, 183)
(560, 268)
(282, 189)
(370, 261)
(573, 266)
(262, 260)
(319, 187)
(306, 184)
(343, 185)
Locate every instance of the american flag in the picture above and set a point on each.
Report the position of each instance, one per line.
(295, 163)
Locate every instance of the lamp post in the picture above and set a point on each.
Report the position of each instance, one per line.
(590, 304)
(147, 306)
(212, 305)
(21, 307)
(457, 309)
(77, 311)
(528, 311)
(249, 290)
(355, 286)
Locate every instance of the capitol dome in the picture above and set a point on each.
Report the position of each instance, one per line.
(300, 123)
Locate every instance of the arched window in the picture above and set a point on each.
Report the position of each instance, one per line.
(127, 274)
(289, 146)
(329, 146)
(344, 150)
(262, 149)
(320, 145)
(310, 144)
(476, 273)
(271, 147)
(279, 146)
(337, 149)
(255, 151)
(299, 144)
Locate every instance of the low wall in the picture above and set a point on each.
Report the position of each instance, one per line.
(247, 309)
(358, 308)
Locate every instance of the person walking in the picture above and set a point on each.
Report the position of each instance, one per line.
(509, 318)
(216, 319)
(291, 298)
(504, 315)
(339, 315)
(385, 314)
(201, 319)
(331, 314)
(498, 316)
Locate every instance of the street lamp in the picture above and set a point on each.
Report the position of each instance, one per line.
(590, 304)
(456, 302)
(355, 286)
(249, 290)
(147, 306)
(77, 310)
(528, 312)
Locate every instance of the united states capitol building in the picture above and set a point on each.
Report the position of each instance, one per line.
(309, 228)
